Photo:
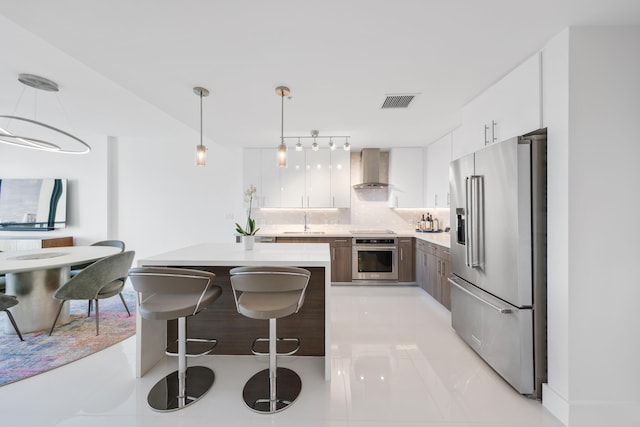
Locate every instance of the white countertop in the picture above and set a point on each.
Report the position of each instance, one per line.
(42, 259)
(234, 254)
(442, 239)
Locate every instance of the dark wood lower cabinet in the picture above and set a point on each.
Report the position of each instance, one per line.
(445, 272)
(432, 270)
(235, 333)
(340, 254)
(406, 264)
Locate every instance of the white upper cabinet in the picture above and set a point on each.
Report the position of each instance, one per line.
(406, 177)
(509, 108)
(311, 179)
(318, 179)
(340, 179)
(270, 174)
(260, 168)
(437, 172)
(292, 181)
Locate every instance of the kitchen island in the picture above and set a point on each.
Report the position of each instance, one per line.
(220, 320)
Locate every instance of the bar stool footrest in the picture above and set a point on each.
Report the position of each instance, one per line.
(163, 397)
(266, 340)
(256, 390)
(197, 348)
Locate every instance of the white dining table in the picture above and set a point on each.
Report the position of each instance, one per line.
(34, 275)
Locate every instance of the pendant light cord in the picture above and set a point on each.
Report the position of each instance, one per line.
(201, 118)
(282, 118)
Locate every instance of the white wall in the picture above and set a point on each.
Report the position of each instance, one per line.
(604, 320)
(166, 202)
(147, 192)
(86, 187)
(594, 345)
(555, 96)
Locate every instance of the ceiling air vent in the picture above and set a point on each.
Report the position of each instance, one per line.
(397, 101)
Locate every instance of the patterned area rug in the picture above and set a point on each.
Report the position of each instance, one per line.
(40, 352)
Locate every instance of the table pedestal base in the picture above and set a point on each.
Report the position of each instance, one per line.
(37, 308)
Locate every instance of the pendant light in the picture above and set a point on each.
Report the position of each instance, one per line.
(31, 133)
(282, 91)
(201, 150)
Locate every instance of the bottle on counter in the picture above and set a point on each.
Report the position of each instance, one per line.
(429, 223)
(436, 224)
(423, 223)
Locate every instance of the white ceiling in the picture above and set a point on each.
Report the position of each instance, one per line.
(128, 67)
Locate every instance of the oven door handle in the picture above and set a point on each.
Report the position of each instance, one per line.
(375, 248)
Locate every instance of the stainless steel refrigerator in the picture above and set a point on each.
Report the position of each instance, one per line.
(498, 264)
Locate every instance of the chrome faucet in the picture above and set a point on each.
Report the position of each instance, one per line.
(306, 227)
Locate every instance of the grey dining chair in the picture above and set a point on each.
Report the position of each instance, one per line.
(102, 279)
(75, 269)
(6, 302)
(270, 293)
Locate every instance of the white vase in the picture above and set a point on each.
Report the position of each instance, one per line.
(248, 242)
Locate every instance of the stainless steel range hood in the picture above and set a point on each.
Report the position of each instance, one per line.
(370, 170)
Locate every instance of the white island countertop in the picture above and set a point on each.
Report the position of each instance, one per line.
(263, 254)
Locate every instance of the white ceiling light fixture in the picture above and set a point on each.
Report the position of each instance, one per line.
(282, 91)
(201, 150)
(31, 133)
(315, 135)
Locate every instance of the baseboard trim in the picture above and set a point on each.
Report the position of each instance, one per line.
(555, 404)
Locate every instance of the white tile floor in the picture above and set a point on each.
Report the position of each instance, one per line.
(396, 362)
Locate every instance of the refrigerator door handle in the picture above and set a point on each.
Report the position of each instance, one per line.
(500, 310)
(475, 201)
(467, 231)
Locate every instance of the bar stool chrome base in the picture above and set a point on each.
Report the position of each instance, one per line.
(164, 396)
(256, 391)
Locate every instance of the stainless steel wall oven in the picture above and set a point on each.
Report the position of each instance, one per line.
(375, 258)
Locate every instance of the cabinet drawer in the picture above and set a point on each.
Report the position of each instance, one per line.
(432, 249)
(443, 253)
(340, 241)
